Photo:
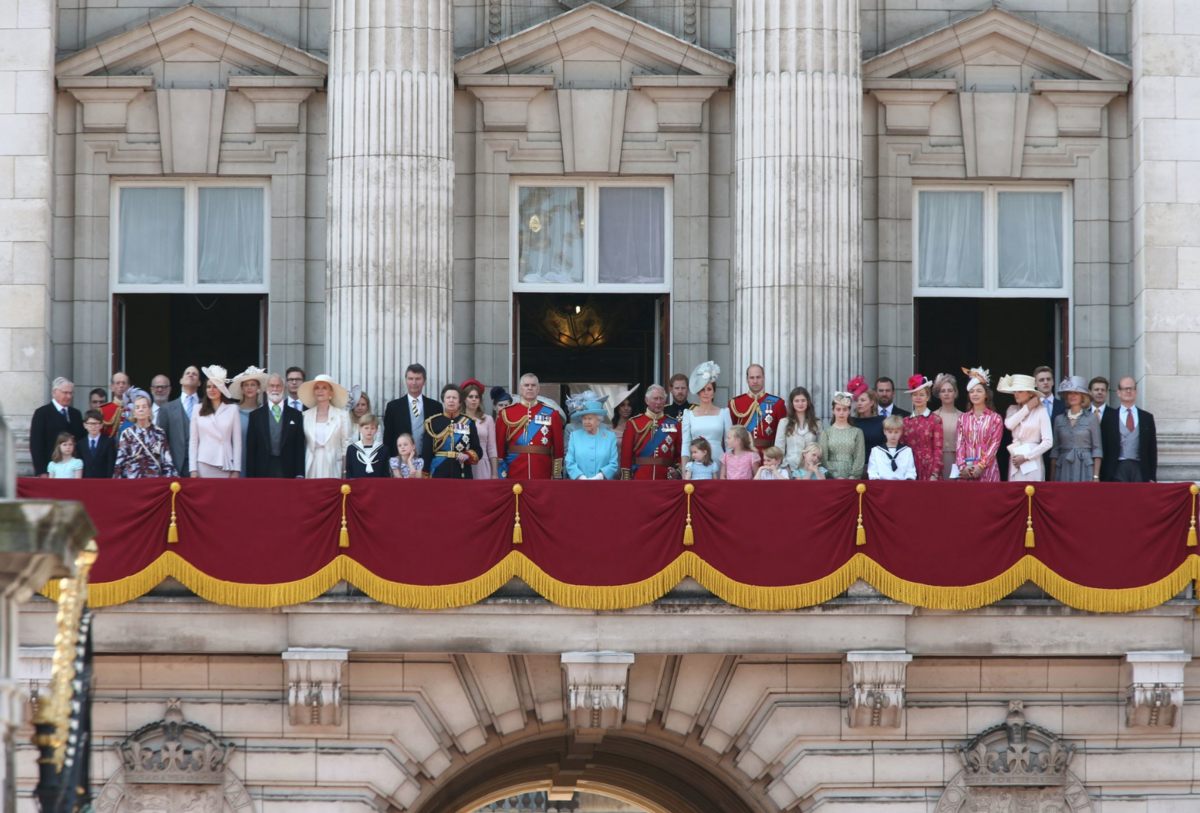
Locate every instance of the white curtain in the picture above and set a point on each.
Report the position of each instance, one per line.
(1031, 240)
(632, 235)
(550, 234)
(950, 240)
(151, 235)
(231, 236)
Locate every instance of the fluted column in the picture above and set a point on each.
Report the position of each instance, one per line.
(391, 176)
(797, 258)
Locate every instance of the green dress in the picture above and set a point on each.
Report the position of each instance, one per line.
(843, 452)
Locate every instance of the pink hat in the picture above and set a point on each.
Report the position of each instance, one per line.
(857, 386)
(918, 382)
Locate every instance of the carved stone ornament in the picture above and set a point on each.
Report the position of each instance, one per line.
(315, 678)
(596, 683)
(172, 765)
(876, 688)
(1015, 766)
(1156, 688)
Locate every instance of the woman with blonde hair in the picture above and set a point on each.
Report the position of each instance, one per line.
(843, 450)
(1030, 426)
(327, 430)
(945, 389)
(1076, 453)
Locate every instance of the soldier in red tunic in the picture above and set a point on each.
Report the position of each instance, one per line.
(757, 410)
(115, 413)
(651, 445)
(529, 437)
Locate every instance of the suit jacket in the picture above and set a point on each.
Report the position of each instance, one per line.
(898, 412)
(1110, 441)
(397, 419)
(45, 427)
(216, 439)
(173, 420)
(98, 466)
(1057, 407)
(291, 442)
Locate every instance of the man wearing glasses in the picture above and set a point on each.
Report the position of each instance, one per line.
(294, 377)
(160, 393)
(1129, 439)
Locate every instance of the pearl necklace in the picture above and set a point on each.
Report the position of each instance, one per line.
(1074, 416)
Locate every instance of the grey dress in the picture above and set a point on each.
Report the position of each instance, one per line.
(1074, 447)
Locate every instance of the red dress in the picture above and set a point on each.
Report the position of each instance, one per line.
(979, 439)
(923, 434)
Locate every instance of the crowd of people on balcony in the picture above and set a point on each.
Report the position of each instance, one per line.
(256, 424)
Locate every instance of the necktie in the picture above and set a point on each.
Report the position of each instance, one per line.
(275, 410)
(416, 412)
(64, 414)
(189, 405)
(1129, 419)
(93, 445)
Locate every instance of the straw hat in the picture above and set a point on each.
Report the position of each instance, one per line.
(340, 396)
(1016, 383)
(217, 374)
(1073, 383)
(251, 372)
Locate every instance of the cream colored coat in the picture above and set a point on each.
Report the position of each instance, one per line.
(325, 459)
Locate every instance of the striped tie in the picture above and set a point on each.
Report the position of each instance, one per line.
(416, 412)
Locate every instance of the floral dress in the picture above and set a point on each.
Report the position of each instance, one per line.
(978, 441)
(923, 434)
(143, 452)
(843, 452)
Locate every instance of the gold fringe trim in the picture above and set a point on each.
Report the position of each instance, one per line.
(635, 594)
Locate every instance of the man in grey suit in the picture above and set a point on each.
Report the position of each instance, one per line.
(175, 418)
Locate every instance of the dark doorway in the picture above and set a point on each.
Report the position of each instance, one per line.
(1005, 336)
(600, 338)
(164, 333)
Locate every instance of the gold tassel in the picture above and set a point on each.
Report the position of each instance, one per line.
(517, 540)
(344, 536)
(173, 532)
(1191, 543)
(860, 537)
(688, 538)
(1029, 520)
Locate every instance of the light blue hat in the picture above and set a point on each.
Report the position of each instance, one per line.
(590, 408)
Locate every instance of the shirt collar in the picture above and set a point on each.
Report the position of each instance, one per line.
(57, 406)
(924, 414)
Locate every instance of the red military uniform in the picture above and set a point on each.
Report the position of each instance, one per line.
(114, 415)
(760, 414)
(529, 441)
(650, 448)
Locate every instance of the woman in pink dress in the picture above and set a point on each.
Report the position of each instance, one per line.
(923, 430)
(979, 432)
(1030, 426)
(485, 428)
(945, 391)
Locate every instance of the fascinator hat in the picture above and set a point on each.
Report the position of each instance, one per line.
(218, 375)
(918, 382)
(977, 377)
(355, 396)
(235, 387)
(499, 394)
(580, 400)
(857, 386)
(1073, 383)
(704, 374)
(843, 399)
(132, 394)
(1016, 383)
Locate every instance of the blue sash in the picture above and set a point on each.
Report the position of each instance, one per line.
(456, 440)
(531, 434)
(761, 406)
(650, 446)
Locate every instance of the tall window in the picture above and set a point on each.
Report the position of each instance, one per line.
(995, 240)
(193, 235)
(591, 235)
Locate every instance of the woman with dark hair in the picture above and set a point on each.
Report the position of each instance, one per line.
(485, 427)
(706, 420)
(215, 445)
(451, 441)
(622, 412)
(798, 429)
(979, 431)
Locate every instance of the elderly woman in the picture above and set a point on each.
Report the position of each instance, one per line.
(592, 453)
(1075, 455)
(945, 389)
(327, 430)
(143, 450)
(979, 431)
(707, 420)
(1030, 426)
(451, 440)
(843, 450)
(215, 445)
(923, 430)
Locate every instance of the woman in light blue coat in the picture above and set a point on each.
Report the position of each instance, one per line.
(592, 453)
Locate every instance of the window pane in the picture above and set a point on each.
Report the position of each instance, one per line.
(550, 234)
(1031, 240)
(950, 243)
(151, 236)
(231, 236)
(632, 235)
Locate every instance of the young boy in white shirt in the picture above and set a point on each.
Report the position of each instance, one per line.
(893, 461)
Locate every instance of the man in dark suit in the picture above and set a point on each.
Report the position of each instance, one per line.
(408, 413)
(175, 417)
(49, 421)
(97, 451)
(1129, 439)
(885, 389)
(275, 437)
(1043, 378)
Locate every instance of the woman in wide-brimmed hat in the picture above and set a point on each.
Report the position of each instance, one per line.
(1076, 454)
(1030, 426)
(245, 389)
(979, 431)
(215, 445)
(327, 430)
(622, 411)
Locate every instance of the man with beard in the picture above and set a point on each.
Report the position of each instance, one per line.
(275, 436)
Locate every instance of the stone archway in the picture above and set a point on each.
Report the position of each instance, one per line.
(647, 774)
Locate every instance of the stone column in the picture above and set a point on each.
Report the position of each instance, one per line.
(391, 174)
(798, 220)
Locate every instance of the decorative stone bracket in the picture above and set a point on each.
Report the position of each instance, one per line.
(1156, 688)
(1080, 103)
(680, 99)
(276, 99)
(315, 678)
(907, 103)
(105, 99)
(877, 679)
(596, 686)
(506, 97)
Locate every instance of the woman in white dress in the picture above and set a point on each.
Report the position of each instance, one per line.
(327, 430)
(797, 430)
(706, 420)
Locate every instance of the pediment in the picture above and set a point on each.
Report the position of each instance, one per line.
(594, 46)
(191, 35)
(995, 50)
